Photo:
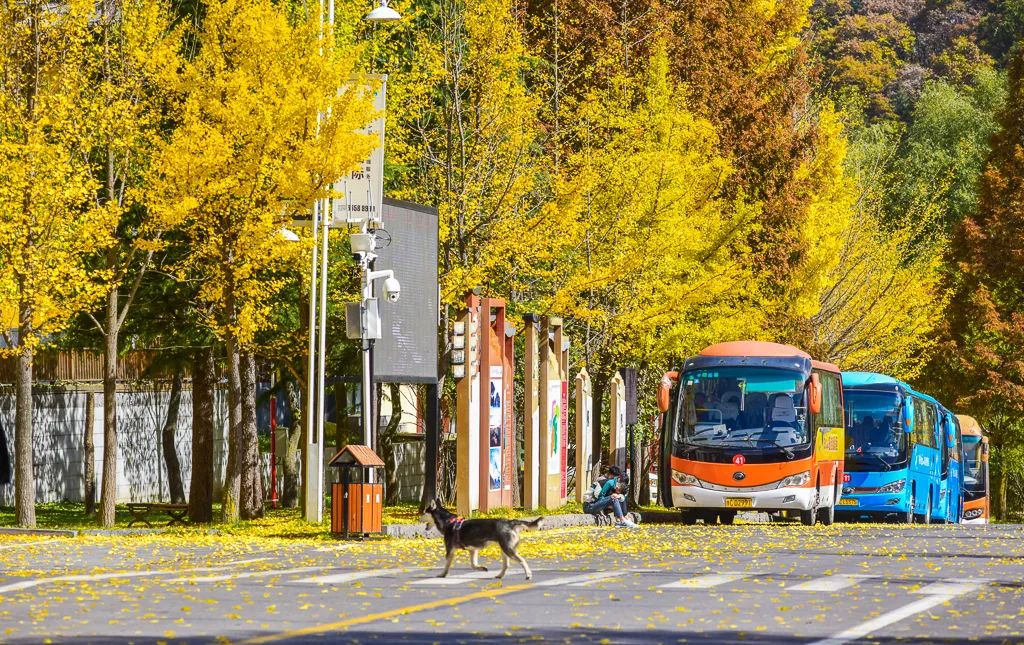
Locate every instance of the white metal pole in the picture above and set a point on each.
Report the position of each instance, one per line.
(367, 389)
(310, 447)
(321, 361)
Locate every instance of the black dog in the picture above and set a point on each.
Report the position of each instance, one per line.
(473, 535)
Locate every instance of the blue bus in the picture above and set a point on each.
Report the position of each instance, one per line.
(951, 483)
(898, 453)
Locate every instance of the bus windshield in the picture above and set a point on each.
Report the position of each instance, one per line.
(974, 471)
(874, 439)
(740, 407)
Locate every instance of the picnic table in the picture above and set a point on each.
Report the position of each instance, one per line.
(141, 510)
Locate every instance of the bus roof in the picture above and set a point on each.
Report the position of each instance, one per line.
(754, 348)
(867, 379)
(828, 367)
(969, 426)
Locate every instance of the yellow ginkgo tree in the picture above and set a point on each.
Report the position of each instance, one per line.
(49, 223)
(657, 267)
(266, 121)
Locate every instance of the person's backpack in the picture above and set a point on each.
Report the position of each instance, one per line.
(590, 496)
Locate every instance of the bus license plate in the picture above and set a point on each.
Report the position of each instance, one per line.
(847, 501)
(738, 502)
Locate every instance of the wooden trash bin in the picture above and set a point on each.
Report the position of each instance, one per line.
(357, 506)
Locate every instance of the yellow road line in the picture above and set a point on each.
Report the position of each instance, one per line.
(391, 613)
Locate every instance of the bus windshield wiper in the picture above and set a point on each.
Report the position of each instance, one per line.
(880, 460)
(789, 453)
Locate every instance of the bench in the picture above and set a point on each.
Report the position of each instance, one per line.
(141, 510)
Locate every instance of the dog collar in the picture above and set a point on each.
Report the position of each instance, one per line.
(456, 522)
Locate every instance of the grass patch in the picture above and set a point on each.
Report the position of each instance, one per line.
(284, 523)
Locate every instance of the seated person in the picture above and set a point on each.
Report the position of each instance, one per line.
(730, 409)
(609, 496)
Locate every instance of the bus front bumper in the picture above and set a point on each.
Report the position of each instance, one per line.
(873, 503)
(780, 499)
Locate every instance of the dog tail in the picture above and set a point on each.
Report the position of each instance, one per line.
(531, 525)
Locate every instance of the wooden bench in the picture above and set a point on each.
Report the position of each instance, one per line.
(141, 510)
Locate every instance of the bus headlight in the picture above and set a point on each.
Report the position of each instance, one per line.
(800, 479)
(684, 479)
(973, 513)
(893, 487)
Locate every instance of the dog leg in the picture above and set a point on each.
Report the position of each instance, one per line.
(526, 567)
(448, 564)
(504, 566)
(473, 554)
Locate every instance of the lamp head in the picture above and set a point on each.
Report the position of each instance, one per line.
(383, 13)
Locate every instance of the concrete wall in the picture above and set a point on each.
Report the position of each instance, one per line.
(58, 440)
(410, 457)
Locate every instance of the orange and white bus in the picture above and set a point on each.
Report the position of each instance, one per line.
(975, 459)
(752, 426)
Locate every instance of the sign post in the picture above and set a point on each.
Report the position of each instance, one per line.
(584, 412)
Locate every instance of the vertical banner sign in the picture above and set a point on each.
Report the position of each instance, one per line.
(620, 430)
(564, 459)
(361, 191)
(554, 428)
(495, 425)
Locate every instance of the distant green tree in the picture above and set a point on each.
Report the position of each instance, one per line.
(945, 149)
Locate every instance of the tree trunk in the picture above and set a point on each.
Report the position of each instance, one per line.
(290, 458)
(24, 471)
(386, 443)
(233, 478)
(167, 435)
(643, 481)
(108, 495)
(200, 494)
(251, 500)
(89, 458)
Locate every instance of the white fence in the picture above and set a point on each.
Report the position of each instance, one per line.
(58, 440)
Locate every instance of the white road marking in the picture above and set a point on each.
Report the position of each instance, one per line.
(706, 581)
(336, 547)
(581, 579)
(924, 604)
(830, 583)
(351, 576)
(247, 574)
(455, 579)
(952, 587)
(89, 577)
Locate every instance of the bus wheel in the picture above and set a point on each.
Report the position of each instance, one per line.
(808, 517)
(727, 517)
(827, 515)
(909, 519)
(689, 518)
(927, 519)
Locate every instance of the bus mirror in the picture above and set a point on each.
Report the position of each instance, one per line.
(814, 394)
(908, 414)
(665, 390)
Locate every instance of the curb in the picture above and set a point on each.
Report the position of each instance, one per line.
(46, 532)
(153, 531)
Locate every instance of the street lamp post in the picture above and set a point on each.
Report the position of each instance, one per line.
(316, 372)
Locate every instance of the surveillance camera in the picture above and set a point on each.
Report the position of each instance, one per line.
(392, 290)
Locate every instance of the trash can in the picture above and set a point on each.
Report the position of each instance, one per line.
(357, 506)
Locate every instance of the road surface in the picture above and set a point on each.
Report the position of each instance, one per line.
(743, 584)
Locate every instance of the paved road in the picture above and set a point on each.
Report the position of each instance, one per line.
(750, 584)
